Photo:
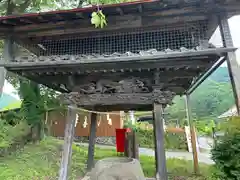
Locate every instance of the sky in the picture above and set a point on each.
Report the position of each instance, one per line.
(234, 24)
(8, 89)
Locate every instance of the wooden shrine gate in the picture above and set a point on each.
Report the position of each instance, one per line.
(149, 52)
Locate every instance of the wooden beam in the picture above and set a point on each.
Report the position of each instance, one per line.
(193, 137)
(204, 76)
(162, 13)
(114, 23)
(231, 9)
(83, 24)
(68, 140)
(233, 66)
(161, 165)
(92, 140)
(163, 97)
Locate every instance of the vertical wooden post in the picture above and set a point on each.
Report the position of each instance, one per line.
(193, 137)
(8, 55)
(135, 146)
(233, 66)
(68, 140)
(126, 147)
(92, 139)
(129, 145)
(161, 168)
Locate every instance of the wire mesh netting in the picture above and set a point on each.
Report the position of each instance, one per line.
(181, 37)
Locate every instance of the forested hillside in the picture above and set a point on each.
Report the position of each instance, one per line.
(210, 99)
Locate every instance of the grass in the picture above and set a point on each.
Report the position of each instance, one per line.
(42, 160)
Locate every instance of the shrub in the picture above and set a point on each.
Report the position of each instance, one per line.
(205, 127)
(10, 135)
(226, 152)
(226, 155)
(172, 140)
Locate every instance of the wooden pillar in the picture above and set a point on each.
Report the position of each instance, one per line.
(68, 140)
(233, 66)
(128, 152)
(193, 137)
(92, 139)
(8, 56)
(131, 145)
(161, 168)
(135, 146)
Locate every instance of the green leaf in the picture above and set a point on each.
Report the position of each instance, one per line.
(96, 20)
(94, 14)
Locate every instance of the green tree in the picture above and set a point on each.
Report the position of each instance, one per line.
(33, 103)
(209, 101)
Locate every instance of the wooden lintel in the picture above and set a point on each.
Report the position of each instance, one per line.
(164, 97)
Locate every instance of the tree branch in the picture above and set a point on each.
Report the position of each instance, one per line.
(10, 7)
(24, 6)
(80, 3)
